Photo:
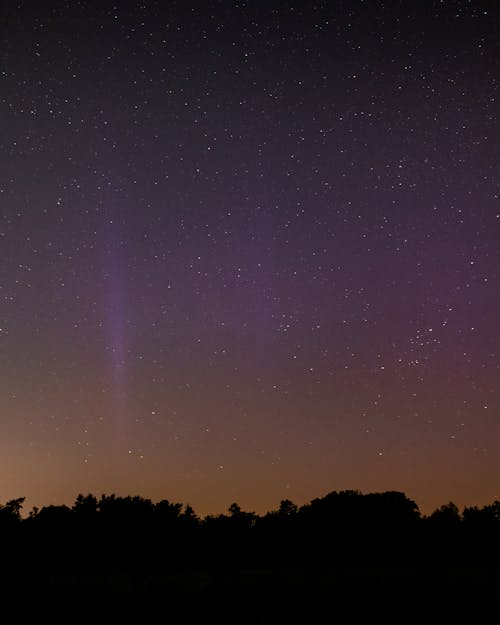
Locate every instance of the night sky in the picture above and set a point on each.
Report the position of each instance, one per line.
(250, 251)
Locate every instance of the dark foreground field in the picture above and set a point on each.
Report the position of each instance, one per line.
(263, 596)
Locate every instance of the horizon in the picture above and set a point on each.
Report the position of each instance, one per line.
(27, 509)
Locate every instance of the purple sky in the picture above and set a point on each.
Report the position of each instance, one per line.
(250, 251)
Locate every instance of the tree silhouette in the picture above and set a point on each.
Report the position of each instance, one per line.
(343, 528)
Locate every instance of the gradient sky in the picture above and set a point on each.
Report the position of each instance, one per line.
(250, 250)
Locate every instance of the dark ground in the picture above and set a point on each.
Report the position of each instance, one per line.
(261, 596)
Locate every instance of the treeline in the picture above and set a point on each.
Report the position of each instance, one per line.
(344, 528)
